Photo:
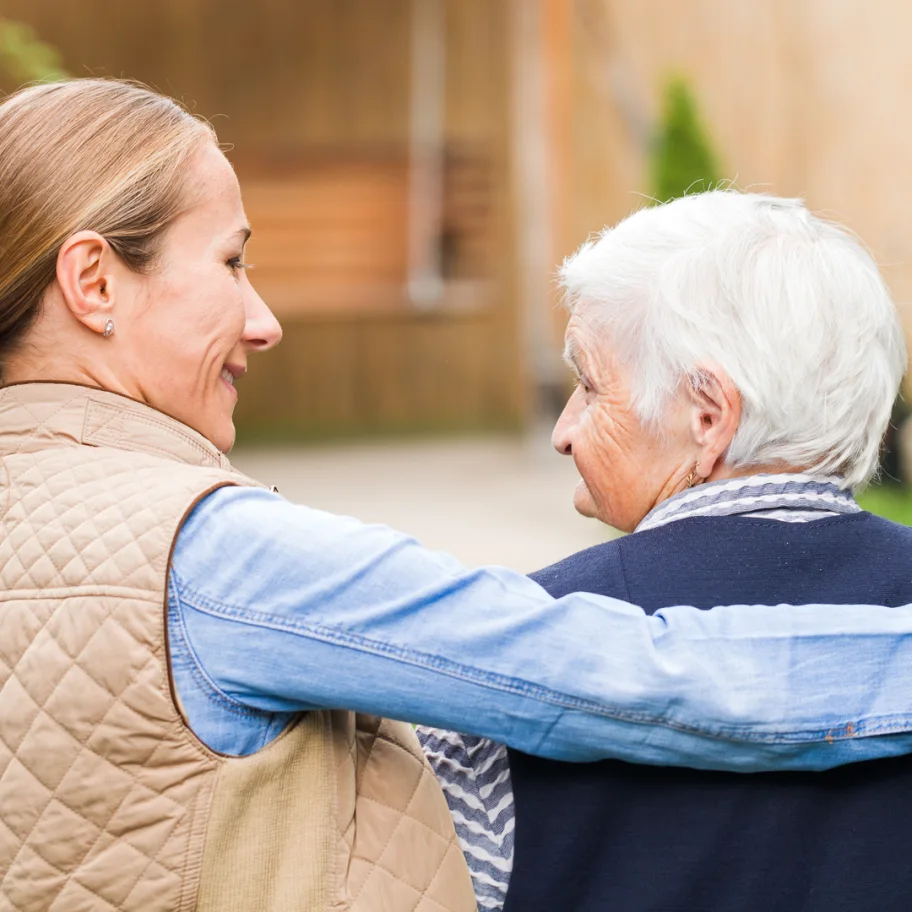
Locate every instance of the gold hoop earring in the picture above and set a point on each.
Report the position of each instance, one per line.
(691, 478)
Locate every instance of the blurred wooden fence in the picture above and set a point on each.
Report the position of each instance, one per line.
(313, 97)
(801, 97)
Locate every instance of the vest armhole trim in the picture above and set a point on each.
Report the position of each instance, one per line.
(193, 738)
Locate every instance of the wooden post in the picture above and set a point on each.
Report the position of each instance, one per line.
(542, 137)
(557, 68)
(426, 152)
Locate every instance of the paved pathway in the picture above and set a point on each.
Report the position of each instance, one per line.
(490, 499)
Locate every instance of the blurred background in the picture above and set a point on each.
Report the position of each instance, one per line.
(414, 170)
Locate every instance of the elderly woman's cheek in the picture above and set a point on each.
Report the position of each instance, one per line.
(618, 463)
(597, 455)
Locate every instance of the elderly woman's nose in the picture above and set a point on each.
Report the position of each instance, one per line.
(560, 436)
(262, 330)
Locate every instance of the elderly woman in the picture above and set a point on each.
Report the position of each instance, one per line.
(736, 362)
(186, 658)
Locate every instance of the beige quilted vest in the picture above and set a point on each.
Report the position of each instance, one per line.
(107, 800)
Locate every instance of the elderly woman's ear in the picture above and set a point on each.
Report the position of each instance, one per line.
(715, 416)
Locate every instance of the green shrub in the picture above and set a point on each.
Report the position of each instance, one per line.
(890, 500)
(682, 159)
(24, 57)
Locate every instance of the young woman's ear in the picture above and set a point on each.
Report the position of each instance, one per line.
(85, 279)
(715, 416)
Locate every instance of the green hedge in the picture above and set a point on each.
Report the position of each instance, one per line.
(682, 159)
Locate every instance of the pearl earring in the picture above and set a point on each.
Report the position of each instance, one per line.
(109, 328)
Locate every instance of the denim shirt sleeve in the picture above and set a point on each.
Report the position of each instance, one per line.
(288, 608)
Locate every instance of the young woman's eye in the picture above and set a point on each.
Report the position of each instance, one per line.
(236, 263)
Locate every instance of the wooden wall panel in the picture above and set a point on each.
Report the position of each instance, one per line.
(292, 85)
(802, 98)
(397, 374)
(275, 74)
(331, 236)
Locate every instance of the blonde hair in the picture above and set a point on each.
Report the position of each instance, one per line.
(85, 154)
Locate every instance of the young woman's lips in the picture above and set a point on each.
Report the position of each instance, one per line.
(227, 377)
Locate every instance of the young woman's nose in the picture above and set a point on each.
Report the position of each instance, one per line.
(263, 330)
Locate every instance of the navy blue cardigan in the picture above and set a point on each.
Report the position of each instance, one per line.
(616, 837)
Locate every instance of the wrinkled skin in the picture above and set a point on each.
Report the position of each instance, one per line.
(626, 469)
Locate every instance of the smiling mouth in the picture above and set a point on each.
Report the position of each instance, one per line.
(230, 373)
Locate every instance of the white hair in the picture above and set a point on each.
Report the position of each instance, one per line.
(790, 306)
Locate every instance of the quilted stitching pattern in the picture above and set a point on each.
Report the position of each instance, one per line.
(85, 534)
(404, 855)
(83, 692)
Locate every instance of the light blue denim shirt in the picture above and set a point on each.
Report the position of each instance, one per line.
(276, 608)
